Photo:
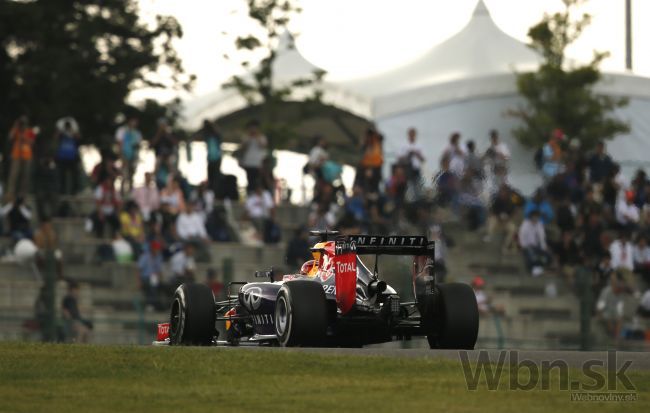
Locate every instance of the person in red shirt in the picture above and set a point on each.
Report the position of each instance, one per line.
(21, 138)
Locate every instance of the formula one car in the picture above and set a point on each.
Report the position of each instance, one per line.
(335, 300)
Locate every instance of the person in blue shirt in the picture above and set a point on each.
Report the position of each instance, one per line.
(539, 203)
(128, 137)
(150, 265)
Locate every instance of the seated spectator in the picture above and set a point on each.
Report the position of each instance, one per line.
(564, 215)
(18, 216)
(132, 226)
(190, 225)
(203, 198)
(219, 227)
(298, 249)
(642, 258)
(622, 253)
(603, 273)
(122, 249)
(610, 307)
(644, 306)
(568, 255)
(147, 197)
(107, 204)
(501, 217)
(77, 327)
(355, 206)
(106, 168)
(539, 203)
(260, 210)
(172, 199)
(322, 217)
(397, 185)
(532, 239)
(183, 266)
(150, 266)
(627, 213)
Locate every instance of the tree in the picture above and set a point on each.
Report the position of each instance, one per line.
(258, 87)
(560, 95)
(82, 58)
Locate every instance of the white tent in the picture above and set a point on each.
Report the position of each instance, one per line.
(467, 84)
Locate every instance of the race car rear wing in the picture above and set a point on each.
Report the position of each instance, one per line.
(390, 245)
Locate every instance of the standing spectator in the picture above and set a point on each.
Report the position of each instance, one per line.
(165, 146)
(150, 266)
(552, 155)
(266, 177)
(610, 307)
(171, 196)
(78, 328)
(497, 154)
(46, 188)
(600, 164)
(67, 155)
(318, 155)
(19, 217)
(411, 156)
(473, 163)
(253, 152)
(107, 204)
(212, 138)
(484, 301)
(372, 159)
(132, 227)
(532, 239)
(147, 197)
(568, 255)
(501, 217)
(21, 138)
(446, 184)
(455, 154)
(128, 138)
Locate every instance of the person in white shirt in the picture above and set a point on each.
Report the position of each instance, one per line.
(627, 214)
(260, 208)
(190, 225)
(411, 154)
(253, 153)
(532, 239)
(183, 265)
(622, 253)
(318, 155)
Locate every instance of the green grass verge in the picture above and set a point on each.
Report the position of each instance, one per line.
(71, 378)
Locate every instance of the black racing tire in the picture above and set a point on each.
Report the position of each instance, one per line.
(454, 324)
(301, 314)
(193, 316)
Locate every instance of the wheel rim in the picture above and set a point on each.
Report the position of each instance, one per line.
(281, 316)
(175, 319)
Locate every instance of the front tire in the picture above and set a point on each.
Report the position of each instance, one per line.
(301, 314)
(454, 323)
(193, 316)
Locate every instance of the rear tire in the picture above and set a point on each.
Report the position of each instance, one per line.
(301, 314)
(193, 316)
(454, 324)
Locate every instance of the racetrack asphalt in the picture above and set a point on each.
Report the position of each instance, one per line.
(574, 359)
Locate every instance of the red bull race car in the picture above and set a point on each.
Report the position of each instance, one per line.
(335, 300)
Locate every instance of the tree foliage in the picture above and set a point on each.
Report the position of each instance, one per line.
(560, 95)
(82, 58)
(258, 86)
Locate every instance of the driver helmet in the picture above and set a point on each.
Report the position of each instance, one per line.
(307, 267)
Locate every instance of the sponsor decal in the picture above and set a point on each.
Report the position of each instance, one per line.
(163, 332)
(390, 241)
(253, 298)
(327, 270)
(329, 289)
(263, 319)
